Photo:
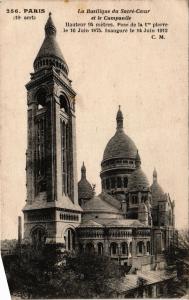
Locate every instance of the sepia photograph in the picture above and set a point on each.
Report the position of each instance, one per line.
(94, 149)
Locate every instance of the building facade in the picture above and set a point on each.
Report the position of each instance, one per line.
(130, 220)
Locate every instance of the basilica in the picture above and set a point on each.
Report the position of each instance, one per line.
(131, 220)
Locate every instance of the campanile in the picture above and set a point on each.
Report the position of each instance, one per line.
(51, 212)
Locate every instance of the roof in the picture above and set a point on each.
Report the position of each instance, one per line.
(98, 204)
(90, 223)
(109, 199)
(132, 281)
(107, 222)
(41, 203)
(50, 47)
(138, 180)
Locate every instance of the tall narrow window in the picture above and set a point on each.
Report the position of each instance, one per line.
(40, 153)
(64, 145)
(119, 183)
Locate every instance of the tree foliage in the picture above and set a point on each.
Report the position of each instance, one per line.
(49, 273)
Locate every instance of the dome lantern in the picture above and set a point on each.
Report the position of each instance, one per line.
(154, 175)
(119, 118)
(83, 171)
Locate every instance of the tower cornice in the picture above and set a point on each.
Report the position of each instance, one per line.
(50, 75)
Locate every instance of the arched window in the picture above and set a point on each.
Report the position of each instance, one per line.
(40, 143)
(100, 248)
(134, 199)
(140, 247)
(113, 249)
(125, 182)
(148, 247)
(113, 183)
(41, 98)
(64, 158)
(130, 248)
(38, 237)
(107, 183)
(124, 249)
(89, 249)
(69, 239)
(81, 248)
(64, 106)
(119, 182)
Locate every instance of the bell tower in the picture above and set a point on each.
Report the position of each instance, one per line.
(51, 212)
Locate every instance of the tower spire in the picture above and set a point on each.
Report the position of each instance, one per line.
(50, 28)
(119, 118)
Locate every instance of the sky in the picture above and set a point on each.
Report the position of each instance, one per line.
(148, 78)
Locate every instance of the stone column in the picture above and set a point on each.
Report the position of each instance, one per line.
(139, 197)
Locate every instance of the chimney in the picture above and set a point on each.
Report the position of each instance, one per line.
(19, 230)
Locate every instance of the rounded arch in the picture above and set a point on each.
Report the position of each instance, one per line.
(148, 247)
(64, 103)
(113, 248)
(38, 235)
(41, 96)
(100, 248)
(140, 247)
(130, 248)
(81, 248)
(89, 248)
(124, 248)
(69, 238)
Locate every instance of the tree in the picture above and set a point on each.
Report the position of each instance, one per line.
(178, 259)
(51, 273)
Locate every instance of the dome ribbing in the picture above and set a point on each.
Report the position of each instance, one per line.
(120, 145)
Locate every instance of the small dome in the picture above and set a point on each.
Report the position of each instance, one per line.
(85, 190)
(156, 189)
(138, 181)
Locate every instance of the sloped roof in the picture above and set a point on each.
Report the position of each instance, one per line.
(90, 223)
(119, 222)
(132, 281)
(109, 199)
(97, 204)
(41, 203)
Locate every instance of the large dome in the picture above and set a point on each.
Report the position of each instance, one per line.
(121, 146)
(138, 181)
